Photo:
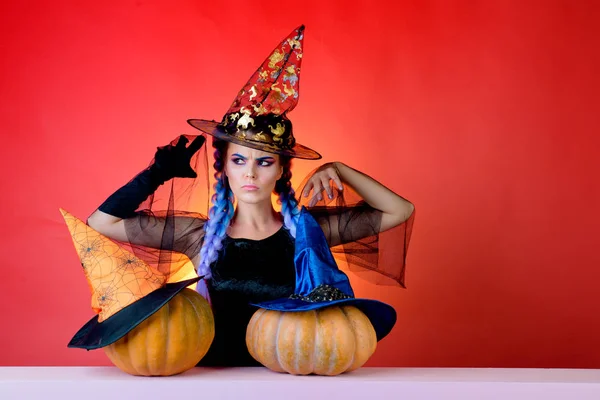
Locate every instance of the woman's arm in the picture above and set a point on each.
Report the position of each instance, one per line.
(394, 208)
(381, 209)
(108, 225)
(117, 218)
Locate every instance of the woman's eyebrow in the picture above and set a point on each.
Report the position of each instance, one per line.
(258, 159)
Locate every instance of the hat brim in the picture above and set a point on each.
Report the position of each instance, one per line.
(95, 335)
(210, 127)
(382, 316)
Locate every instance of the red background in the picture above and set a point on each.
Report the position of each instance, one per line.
(483, 113)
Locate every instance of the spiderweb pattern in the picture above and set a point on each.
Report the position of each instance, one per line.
(116, 277)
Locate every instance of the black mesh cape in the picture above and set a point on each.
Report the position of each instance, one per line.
(169, 226)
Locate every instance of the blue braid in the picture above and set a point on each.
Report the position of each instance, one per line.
(287, 197)
(222, 212)
(220, 215)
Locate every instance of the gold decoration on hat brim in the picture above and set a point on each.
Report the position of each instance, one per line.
(212, 128)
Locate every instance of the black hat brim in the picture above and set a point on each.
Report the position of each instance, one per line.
(211, 128)
(95, 335)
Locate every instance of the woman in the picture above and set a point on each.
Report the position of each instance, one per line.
(246, 251)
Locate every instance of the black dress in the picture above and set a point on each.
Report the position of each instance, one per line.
(260, 270)
(246, 271)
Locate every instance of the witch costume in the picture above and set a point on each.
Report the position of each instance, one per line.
(165, 210)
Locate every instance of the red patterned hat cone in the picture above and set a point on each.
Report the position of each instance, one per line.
(257, 118)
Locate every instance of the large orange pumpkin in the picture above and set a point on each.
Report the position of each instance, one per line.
(328, 341)
(172, 340)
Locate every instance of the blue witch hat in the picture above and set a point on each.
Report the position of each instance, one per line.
(320, 283)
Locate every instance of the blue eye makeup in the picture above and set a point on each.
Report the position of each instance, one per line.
(265, 161)
(239, 159)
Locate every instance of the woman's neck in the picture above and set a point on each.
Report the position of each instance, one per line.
(255, 221)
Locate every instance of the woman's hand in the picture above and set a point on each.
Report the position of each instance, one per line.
(173, 161)
(323, 180)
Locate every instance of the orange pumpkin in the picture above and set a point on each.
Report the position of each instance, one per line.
(327, 341)
(172, 340)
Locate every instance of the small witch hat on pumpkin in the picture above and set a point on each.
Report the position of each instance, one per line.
(125, 290)
(257, 118)
(320, 283)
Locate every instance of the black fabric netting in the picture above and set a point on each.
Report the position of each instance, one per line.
(169, 226)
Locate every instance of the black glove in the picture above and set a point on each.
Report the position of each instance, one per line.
(169, 162)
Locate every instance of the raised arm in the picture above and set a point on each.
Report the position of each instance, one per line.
(380, 210)
(117, 217)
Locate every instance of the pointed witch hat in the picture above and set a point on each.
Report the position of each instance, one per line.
(320, 283)
(125, 290)
(257, 118)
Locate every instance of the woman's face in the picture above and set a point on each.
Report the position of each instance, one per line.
(252, 173)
